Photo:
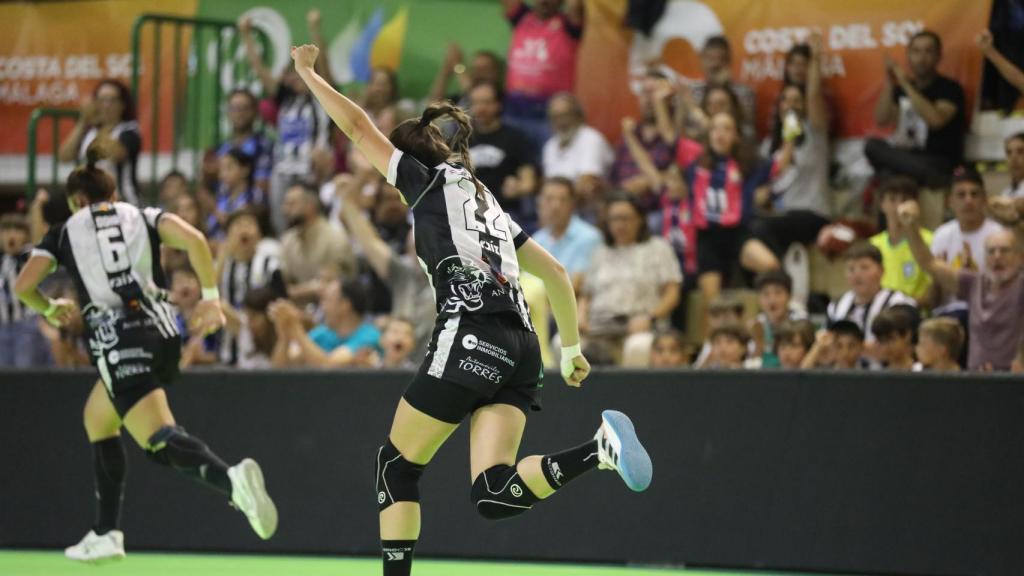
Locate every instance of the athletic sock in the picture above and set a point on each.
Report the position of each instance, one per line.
(174, 447)
(397, 556)
(562, 467)
(109, 470)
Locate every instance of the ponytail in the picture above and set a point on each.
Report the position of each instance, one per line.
(421, 138)
(89, 179)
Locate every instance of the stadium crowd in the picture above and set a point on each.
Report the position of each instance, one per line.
(677, 238)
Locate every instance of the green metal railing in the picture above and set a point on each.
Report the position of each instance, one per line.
(196, 109)
(55, 115)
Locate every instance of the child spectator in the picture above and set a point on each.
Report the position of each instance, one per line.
(773, 296)
(235, 190)
(398, 342)
(668, 350)
(901, 271)
(21, 342)
(840, 347)
(251, 329)
(939, 345)
(723, 311)
(728, 346)
(793, 341)
(895, 329)
(185, 294)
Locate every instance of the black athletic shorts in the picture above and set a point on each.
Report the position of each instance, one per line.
(134, 353)
(475, 360)
(718, 249)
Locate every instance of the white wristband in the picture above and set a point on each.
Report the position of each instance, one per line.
(211, 293)
(568, 353)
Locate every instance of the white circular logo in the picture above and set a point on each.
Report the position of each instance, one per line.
(381, 497)
(114, 357)
(516, 490)
(469, 342)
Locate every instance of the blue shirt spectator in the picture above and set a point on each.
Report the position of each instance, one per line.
(365, 336)
(569, 238)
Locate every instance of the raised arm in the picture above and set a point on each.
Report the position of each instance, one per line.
(817, 109)
(452, 58)
(639, 153)
(935, 114)
(176, 233)
(352, 119)
(376, 250)
(942, 273)
(885, 108)
(535, 260)
(252, 54)
(1007, 69)
(323, 65)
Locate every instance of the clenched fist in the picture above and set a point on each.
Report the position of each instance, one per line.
(305, 56)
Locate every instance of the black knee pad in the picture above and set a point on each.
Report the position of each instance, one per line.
(397, 478)
(172, 446)
(500, 493)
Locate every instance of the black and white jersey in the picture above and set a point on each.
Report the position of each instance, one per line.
(112, 252)
(302, 125)
(466, 246)
(238, 278)
(11, 309)
(846, 308)
(125, 173)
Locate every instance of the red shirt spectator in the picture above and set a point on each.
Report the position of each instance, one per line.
(542, 57)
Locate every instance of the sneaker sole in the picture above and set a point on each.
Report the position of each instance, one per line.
(634, 465)
(98, 561)
(265, 521)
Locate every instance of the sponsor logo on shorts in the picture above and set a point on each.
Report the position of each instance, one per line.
(128, 370)
(471, 342)
(116, 356)
(485, 371)
(381, 497)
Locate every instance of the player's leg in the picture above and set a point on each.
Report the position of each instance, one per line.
(152, 425)
(414, 439)
(103, 427)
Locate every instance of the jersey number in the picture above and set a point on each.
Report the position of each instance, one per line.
(717, 200)
(113, 250)
(493, 224)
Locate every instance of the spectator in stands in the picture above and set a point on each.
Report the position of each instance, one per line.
(1015, 166)
(345, 337)
(901, 272)
(720, 186)
(107, 119)
(399, 344)
(774, 292)
(632, 285)
(186, 207)
(247, 260)
(576, 151)
(311, 245)
(721, 312)
(716, 63)
(541, 60)
(503, 157)
(1007, 69)
(172, 185)
(995, 296)
(799, 199)
(569, 238)
(894, 329)
(252, 330)
(793, 341)
(939, 344)
(485, 67)
(657, 139)
(185, 293)
(840, 347)
(866, 297)
(302, 126)
(729, 344)
(960, 243)
(668, 349)
(927, 109)
(243, 109)
(21, 342)
(235, 190)
(412, 297)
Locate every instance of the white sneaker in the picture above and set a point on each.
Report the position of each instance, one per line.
(249, 495)
(619, 449)
(96, 548)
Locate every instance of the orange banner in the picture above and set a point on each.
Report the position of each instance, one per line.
(857, 37)
(53, 54)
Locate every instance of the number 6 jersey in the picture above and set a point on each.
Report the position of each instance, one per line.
(466, 244)
(112, 252)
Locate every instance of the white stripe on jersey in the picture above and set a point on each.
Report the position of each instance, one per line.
(445, 340)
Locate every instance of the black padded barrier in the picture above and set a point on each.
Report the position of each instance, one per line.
(860, 473)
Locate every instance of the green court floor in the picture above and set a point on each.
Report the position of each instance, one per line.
(52, 563)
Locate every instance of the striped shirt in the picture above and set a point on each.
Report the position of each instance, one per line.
(465, 244)
(238, 278)
(112, 252)
(846, 308)
(11, 309)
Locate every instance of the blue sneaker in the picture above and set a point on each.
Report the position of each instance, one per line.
(619, 449)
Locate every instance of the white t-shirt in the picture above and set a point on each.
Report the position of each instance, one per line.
(961, 251)
(1015, 191)
(587, 153)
